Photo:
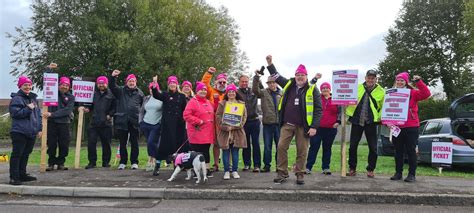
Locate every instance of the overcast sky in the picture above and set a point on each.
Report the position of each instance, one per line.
(323, 35)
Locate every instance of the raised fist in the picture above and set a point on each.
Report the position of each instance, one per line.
(269, 60)
(155, 79)
(318, 75)
(53, 66)
(416, 77)
(115, 73)
(211, 70)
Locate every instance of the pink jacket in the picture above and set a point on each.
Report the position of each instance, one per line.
(199, 117)
(416, 95)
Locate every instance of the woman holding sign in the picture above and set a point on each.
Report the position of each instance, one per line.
(230, 118)
(408, 137)
(199, 117)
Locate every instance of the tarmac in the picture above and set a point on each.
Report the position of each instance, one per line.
(112, 183)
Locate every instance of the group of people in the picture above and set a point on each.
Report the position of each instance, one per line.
(178, 119)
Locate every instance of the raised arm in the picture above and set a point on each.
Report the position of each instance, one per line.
(116, 90)
(256, 86)
(282, 81)
(423, 92)
(206, 79)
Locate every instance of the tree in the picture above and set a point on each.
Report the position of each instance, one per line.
(430, 39)
(146, 37)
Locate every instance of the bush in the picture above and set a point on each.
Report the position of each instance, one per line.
(431, 108)
(5, 125)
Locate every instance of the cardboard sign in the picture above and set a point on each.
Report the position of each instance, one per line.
(344, 84)
(233, 113)
(50, 89)
(442, 152)
(395, 106)
(83, 91)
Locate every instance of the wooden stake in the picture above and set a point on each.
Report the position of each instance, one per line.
(77, 158)
(343, 142)
(44, 140)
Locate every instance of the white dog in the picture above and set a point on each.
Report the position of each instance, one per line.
(188, 161)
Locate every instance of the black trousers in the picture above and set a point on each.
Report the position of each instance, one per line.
(370, 131)
(21, 150)
(105, 135)
(406, 143)
(123, 138)
(59, 137)
(203, 149)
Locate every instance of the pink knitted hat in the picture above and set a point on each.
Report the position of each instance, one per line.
(301, 69)
(173, 79)
(130, 77)
(187, 83)
(222, 76)
(231, 87)
(23, 80)
(64, 80)
(404, 76)
(102, 80)
(324, 86)
(200, 86)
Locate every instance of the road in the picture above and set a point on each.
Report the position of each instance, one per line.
(12, 203)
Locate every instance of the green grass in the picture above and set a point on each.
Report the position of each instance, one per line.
(385, 165)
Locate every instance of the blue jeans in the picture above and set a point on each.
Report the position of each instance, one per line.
(152, 135)
(235, 158)
(271, 133)
(326, 135)
(252, 130)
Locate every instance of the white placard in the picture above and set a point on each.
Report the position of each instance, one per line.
(83, 91)
(50, 89)
(345, 85)
(442, 152)
(395, 106)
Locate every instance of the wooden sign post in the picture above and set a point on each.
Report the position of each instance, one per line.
(343, 142)
(44, 140)
(77, 158)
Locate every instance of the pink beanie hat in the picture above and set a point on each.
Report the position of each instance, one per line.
(102, 80)
(200, 86)
(301, 69)
(23, 80)
(130, 77)
(173, 79)
(404, 76)
(64, 80)
(231, 87)
(187, 83)
(222, 76)
(325, 85)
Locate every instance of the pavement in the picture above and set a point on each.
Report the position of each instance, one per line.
(112, 183)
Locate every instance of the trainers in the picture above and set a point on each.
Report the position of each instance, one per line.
(370, 174)
(396, 176)
(327, 172)
(265, 169)
(15, 182)
(299, 179)
(134, 166)
(121, 166)
(62, 167)
(226, 175)
(246, 168)
(210, 173)
(27, 178)
(90, 166)
(410, 178)
(256, 169)
(352, 173)
(307, 171)
(156, 170)
(235, 175)
(279, 179)
(50, 168)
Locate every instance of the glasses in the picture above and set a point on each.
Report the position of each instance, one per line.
(222, 82)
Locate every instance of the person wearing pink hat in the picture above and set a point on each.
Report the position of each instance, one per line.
(408, 138)
(300, 114)
(215, 94)
(59, 121)
(126, 119)
(199, 117)
(364, 118)
(26, 126)
(230, 138)
(187, 90)
(269, 99)
(172, 123)
(100, 126)
(330, 120)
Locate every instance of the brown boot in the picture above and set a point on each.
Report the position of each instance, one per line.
(300, 178)
(352, 173)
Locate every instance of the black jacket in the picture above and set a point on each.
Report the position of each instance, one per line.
(63, 113)
(25, 121)
(317, 108)
(129, 102)
(250, 100)
(103, 104)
